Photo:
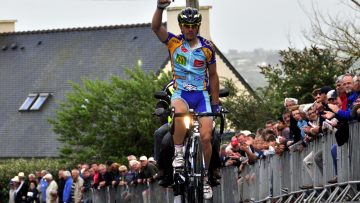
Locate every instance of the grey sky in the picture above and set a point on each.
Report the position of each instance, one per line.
(235, 24)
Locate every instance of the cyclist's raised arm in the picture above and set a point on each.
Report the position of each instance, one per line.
(156, 24)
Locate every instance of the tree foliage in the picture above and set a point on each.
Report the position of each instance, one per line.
(246, 112)
(103, 120)
(299, 73)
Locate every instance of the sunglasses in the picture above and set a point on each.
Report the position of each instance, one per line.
(196, 25)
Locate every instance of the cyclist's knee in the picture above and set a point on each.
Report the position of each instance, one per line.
(206, 138)
(179, 105)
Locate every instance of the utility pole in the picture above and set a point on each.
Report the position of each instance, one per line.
(192, 3)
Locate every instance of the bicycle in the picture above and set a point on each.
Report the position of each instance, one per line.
(188, 182)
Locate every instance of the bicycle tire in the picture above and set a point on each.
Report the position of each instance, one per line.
(195, 187)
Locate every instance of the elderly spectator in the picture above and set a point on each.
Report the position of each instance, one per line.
(51, 190)
(43, 185)
(132, 175)
(148, 170)
(123, 170)
(14, 184)
(76, 188)
(351, 98)
(21, 191)
(105, 178)
(67, 188)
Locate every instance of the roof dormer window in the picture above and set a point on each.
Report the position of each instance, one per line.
(34, 101)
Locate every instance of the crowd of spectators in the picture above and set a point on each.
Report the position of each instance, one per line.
(70, 186)
(300, 124)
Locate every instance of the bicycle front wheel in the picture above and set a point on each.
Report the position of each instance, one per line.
(195, 189)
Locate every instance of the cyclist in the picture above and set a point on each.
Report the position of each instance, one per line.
(194, 71)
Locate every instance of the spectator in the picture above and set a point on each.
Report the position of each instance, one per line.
(51, 190)
(123, 171)
(61, 185)
(132, 175)
(67, 187)
(21, 191)
(33, 193)
(105, 178)
(14, 183)
(115, 174)
(76, 187)
(148, 170)
(87, 185)
(95, 174)
(43, 186)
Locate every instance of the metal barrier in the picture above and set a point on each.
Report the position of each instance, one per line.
(227, 191)
(273, 179)
(296, 177)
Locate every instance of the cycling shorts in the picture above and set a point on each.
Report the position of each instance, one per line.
(197, 100)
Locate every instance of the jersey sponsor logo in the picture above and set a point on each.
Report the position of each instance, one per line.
(180, 59)
(198, 63)
(189, 87)
(183, 49)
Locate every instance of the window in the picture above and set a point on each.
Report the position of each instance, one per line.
(34, 101)
(28, 102)
(40, 101)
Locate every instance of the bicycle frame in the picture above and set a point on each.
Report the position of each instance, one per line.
(189, 181)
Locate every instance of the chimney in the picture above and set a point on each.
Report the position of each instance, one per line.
(7, 25)
(173, 25)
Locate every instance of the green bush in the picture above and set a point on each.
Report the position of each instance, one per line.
(11, 167)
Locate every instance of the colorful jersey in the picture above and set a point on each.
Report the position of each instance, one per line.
(190, 66)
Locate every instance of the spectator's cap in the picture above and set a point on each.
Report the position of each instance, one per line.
(122, 168)
(245, 132)
(48, 176)
(331, 94)
(234, 142)
(151, 159)
(295, 101)
(315, 92)
(303, 108)
(143, 158)
(325, 89)
(15, 179)
(21, 174)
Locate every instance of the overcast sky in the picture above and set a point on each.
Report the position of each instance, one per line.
(235, 24)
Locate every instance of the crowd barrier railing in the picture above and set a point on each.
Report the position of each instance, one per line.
(298, 176)
(227, 191)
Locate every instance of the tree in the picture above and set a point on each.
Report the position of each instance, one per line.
(336, 33)
(108, 120)
(299, 73)
(245, 111)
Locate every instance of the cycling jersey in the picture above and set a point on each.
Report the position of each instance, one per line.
(190, 66)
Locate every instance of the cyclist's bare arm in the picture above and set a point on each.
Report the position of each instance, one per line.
(156, 23)
(214, 83)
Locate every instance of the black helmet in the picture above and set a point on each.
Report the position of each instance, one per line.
(189, 16)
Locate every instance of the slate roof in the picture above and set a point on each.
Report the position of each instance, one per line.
(45, 60)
